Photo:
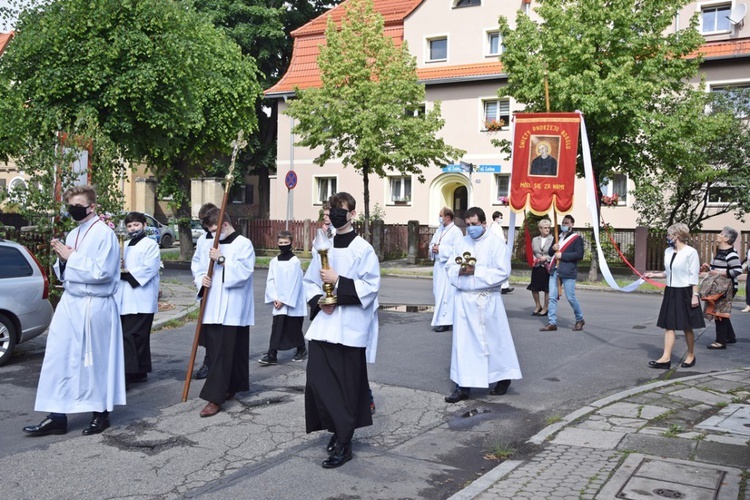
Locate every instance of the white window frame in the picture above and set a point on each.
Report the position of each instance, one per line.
(483, 112)
(488, 33)
(455, 4)
(16, 182)
(705, 6)
(714, 203)
(496, 188)
(317, 200)
(404, 182)
(723, 84)
(428, 45)
(607, 188)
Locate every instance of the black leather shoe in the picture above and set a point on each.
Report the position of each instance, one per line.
(442, 328)
(332, 443)
(506, 290)
(689, 365)
(500, 388)
(457, 395)
(666, 365)
(98, 424)
(339, 457)
(47, 426)
(202, 373)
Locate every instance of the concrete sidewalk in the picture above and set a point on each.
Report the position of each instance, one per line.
(688, 438)
(685, 438)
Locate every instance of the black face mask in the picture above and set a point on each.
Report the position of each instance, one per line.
(78, 213)
(285, 248)
(338, 217)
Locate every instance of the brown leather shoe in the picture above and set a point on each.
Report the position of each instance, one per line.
(210, 410)
(549, 328)
(579, 326)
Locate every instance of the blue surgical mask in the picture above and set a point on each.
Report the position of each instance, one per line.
(475, 231)
(564, 229)
(440, 221)
(670, 242)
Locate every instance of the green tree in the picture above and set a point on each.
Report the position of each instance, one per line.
(364, 112)
(262, 28)
(156, 77)
(703, 158)
(615, 60)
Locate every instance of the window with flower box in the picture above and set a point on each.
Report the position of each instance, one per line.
(325, 187)
(502, 191)
(614, 190)
(496, 115)
(400, 190)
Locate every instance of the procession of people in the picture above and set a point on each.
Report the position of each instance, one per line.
(99, 339)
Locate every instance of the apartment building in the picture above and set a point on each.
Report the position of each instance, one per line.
(456, 44)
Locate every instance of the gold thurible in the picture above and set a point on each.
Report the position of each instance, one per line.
(329, 298)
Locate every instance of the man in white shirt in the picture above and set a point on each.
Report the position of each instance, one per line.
(441, 248)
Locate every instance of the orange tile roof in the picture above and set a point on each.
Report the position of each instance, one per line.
(4, 39)
(393, 11)
(726, 48)
(492, 68)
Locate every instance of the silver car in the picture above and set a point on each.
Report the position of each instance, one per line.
(25, 310)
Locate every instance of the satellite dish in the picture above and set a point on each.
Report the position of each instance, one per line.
(738, 13)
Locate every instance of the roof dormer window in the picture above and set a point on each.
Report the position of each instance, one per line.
(466, 3)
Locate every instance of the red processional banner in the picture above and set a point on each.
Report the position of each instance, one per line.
(545, 146)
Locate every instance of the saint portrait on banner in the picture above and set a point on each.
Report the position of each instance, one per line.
(547, 149)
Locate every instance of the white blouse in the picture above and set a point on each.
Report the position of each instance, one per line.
(684, 270)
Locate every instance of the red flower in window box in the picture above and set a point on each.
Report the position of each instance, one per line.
(494, 125)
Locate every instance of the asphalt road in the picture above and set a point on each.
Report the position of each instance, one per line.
(562, 371)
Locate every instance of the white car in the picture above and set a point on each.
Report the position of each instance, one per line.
(25, 310)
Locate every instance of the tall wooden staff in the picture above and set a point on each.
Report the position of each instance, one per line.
(237, 145)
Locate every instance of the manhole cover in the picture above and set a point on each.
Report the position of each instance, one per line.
(667, 493)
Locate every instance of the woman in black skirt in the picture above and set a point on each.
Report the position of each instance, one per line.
(680, 308)
(539, 276)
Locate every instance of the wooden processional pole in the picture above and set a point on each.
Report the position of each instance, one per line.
(554, 210)
(237, 145)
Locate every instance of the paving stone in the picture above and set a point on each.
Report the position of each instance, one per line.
(728, 439)
(723, 453)
(703, 396)
(589, 438)
(658, 446)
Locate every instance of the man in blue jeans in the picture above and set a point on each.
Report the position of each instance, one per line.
(565, 256)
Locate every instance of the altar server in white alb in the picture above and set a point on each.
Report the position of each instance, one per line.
(441, 248)
(138, 297)
(229, 312)
(284, 290)
(483, 350)
(342, 337)
(83, 367)
(202, 244)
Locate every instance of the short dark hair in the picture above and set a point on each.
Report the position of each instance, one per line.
(570, 218)
(135, 217)
(448, 213)
(204, 210)
(342, 198)
(475, 211)
(286, 235)
(212, 218)
(496, 214)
